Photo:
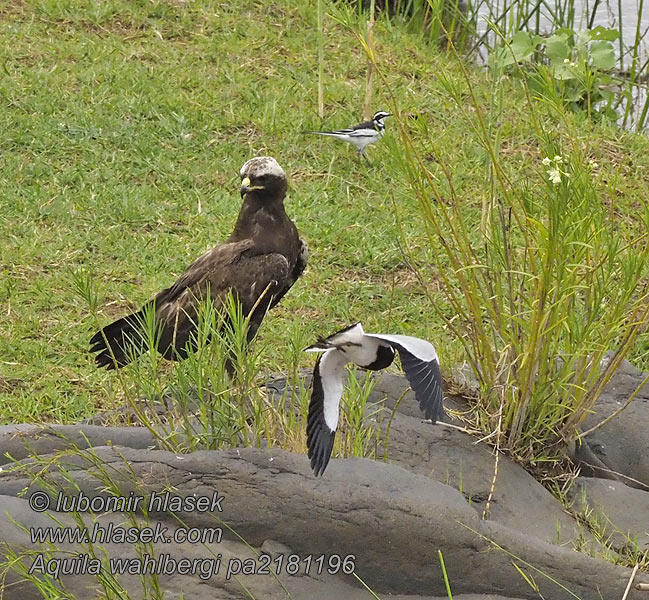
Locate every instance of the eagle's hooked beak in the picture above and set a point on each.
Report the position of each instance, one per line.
(246, 187)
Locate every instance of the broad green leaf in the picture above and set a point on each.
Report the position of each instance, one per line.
(522, 46)
(575, 94)
(564, 71)
(602, 55)
(564, 33)
(602, 33)
(556, 49)
(582, 38)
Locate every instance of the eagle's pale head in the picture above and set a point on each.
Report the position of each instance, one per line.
(263, 176)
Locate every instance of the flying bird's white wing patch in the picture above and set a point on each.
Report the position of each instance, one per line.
(324, 408)
(419, 348)
(421, 366)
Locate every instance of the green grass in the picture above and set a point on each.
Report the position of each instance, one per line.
(120, 152)
(124, 127)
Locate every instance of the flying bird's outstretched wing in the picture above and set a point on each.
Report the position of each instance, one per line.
(421, 366)
(324, 407)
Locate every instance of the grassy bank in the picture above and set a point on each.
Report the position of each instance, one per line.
(121, 147)
(124, 129)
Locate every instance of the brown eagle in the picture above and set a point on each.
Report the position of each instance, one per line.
(258, 263)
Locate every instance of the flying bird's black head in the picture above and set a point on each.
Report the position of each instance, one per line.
(379, 118)
(263, 177)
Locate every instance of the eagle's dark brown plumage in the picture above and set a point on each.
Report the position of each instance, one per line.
(258, 263)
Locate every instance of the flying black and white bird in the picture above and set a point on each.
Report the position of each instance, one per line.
(373, 351)
(258, 263)
(361, 135)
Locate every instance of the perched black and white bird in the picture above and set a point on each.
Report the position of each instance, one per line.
(361, 135)
(258, 263)
(373, 351)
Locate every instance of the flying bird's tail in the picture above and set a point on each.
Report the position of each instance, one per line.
(121, 341)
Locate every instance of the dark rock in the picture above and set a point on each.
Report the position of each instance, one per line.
(20, 441)
(620, 448)
(452, 457)
(177, 586)
(618, 451)
(393, 522)
(622, 512)
(390, 388)
(391, 519)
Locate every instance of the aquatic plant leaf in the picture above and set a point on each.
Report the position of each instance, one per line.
(602, 33)
(522, 46)
(556, 49)
(602, 55)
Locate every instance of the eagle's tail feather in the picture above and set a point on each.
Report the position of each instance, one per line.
(121, 341)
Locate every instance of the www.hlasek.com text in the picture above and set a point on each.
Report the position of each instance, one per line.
(115, 534)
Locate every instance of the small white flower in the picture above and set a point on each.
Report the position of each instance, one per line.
(554, 172)
(566, 60)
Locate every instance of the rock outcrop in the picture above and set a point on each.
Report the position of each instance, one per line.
(388, 519)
